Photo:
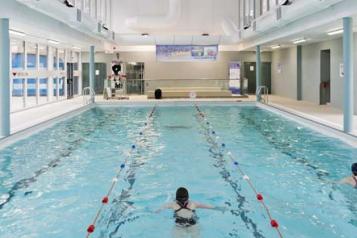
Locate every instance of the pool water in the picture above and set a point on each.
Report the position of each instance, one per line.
(52, 183)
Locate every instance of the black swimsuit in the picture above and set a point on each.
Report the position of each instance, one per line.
(182, 221)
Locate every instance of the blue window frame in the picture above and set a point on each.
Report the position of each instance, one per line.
(17, 60)
(31, 87)
(43, 86)
(43, 61)
(31, 61)
(18, 87)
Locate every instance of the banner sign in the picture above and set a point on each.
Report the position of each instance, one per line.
(177, 53)
(234, 77)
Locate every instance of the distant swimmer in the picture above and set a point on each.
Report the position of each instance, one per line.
(351, 180)
(185, 213)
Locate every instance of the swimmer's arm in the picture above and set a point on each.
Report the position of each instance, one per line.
(203, 206)
(165, 206)
(346, 180)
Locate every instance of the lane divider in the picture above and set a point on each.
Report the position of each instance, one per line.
(105, 198)
(274, 223)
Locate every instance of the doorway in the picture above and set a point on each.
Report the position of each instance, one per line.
(325, 74)
(100, 76)
(250, 74)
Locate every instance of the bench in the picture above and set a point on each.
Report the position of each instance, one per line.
(184, 92)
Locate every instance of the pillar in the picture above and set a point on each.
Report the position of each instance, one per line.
(4, 78)
(91, 68)
(348, 74)
(258, 71)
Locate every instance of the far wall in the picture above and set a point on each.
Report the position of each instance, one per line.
(284, 83)
(181, 70)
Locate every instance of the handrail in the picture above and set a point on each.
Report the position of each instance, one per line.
(91, 93)
(265, 91)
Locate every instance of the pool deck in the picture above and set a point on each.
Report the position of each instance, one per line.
(325, 114)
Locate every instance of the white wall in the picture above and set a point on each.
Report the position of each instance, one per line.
(284, 84)
(284, 81)
(181, 70)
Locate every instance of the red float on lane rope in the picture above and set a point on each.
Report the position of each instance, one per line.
(91, 228)
(274, 223)
(260, 197)
(105, 200)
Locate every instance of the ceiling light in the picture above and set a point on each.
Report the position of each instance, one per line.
(335, 32)
(145, 35)
(18, 33)
(53, 42)
(205, 34)
(299, 41)
(275, 46)
(76, 48)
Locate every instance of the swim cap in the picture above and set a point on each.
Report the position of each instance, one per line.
(182, 195)
(354, 169)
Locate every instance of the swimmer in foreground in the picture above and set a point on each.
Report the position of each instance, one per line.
(351, 180)
(185, 214)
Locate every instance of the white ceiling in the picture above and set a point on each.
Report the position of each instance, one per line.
(197, 17)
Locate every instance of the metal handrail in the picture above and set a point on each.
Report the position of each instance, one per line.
(91, 93)
(265, 91)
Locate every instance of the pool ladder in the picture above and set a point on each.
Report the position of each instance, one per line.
(88, 91)
(263, 90)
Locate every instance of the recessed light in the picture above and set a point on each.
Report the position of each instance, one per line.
(335, 32)
(18, 33)
(299, 41)
(53, 42)
(275, 46)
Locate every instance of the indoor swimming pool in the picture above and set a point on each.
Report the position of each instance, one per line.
(52, 183)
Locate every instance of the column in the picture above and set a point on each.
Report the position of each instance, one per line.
(348, 74)
(38, 73)
(299, 73)
(258, 73)
(91, 68)
(4, 78)
(50, 77)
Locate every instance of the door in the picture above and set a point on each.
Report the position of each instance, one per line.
(70, 85)
(325, 74)
(250, 74)
(100, 76)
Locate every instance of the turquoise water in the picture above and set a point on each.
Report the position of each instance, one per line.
(51, 183)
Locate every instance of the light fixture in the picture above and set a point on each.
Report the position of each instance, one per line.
(205, 34)
(275, 46)
(76, 48)
(17, 33)
(335, 32)
(53, 42)
(299, 41)
(145, 35)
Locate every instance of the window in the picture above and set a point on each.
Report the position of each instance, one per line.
(17, 54)
(61, 60)
(43, 57)
(43, 87)
(31, 56)
(31, 92)
(55, 87)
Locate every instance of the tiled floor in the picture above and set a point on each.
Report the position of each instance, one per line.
(324, 114)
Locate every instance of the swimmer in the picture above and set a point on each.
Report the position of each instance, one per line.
(185, 210)
(351, 180)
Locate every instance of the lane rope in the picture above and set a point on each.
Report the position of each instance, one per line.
(105, 198)
(259, 196)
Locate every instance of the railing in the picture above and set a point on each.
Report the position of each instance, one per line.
(263, 90)
(88, 91)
